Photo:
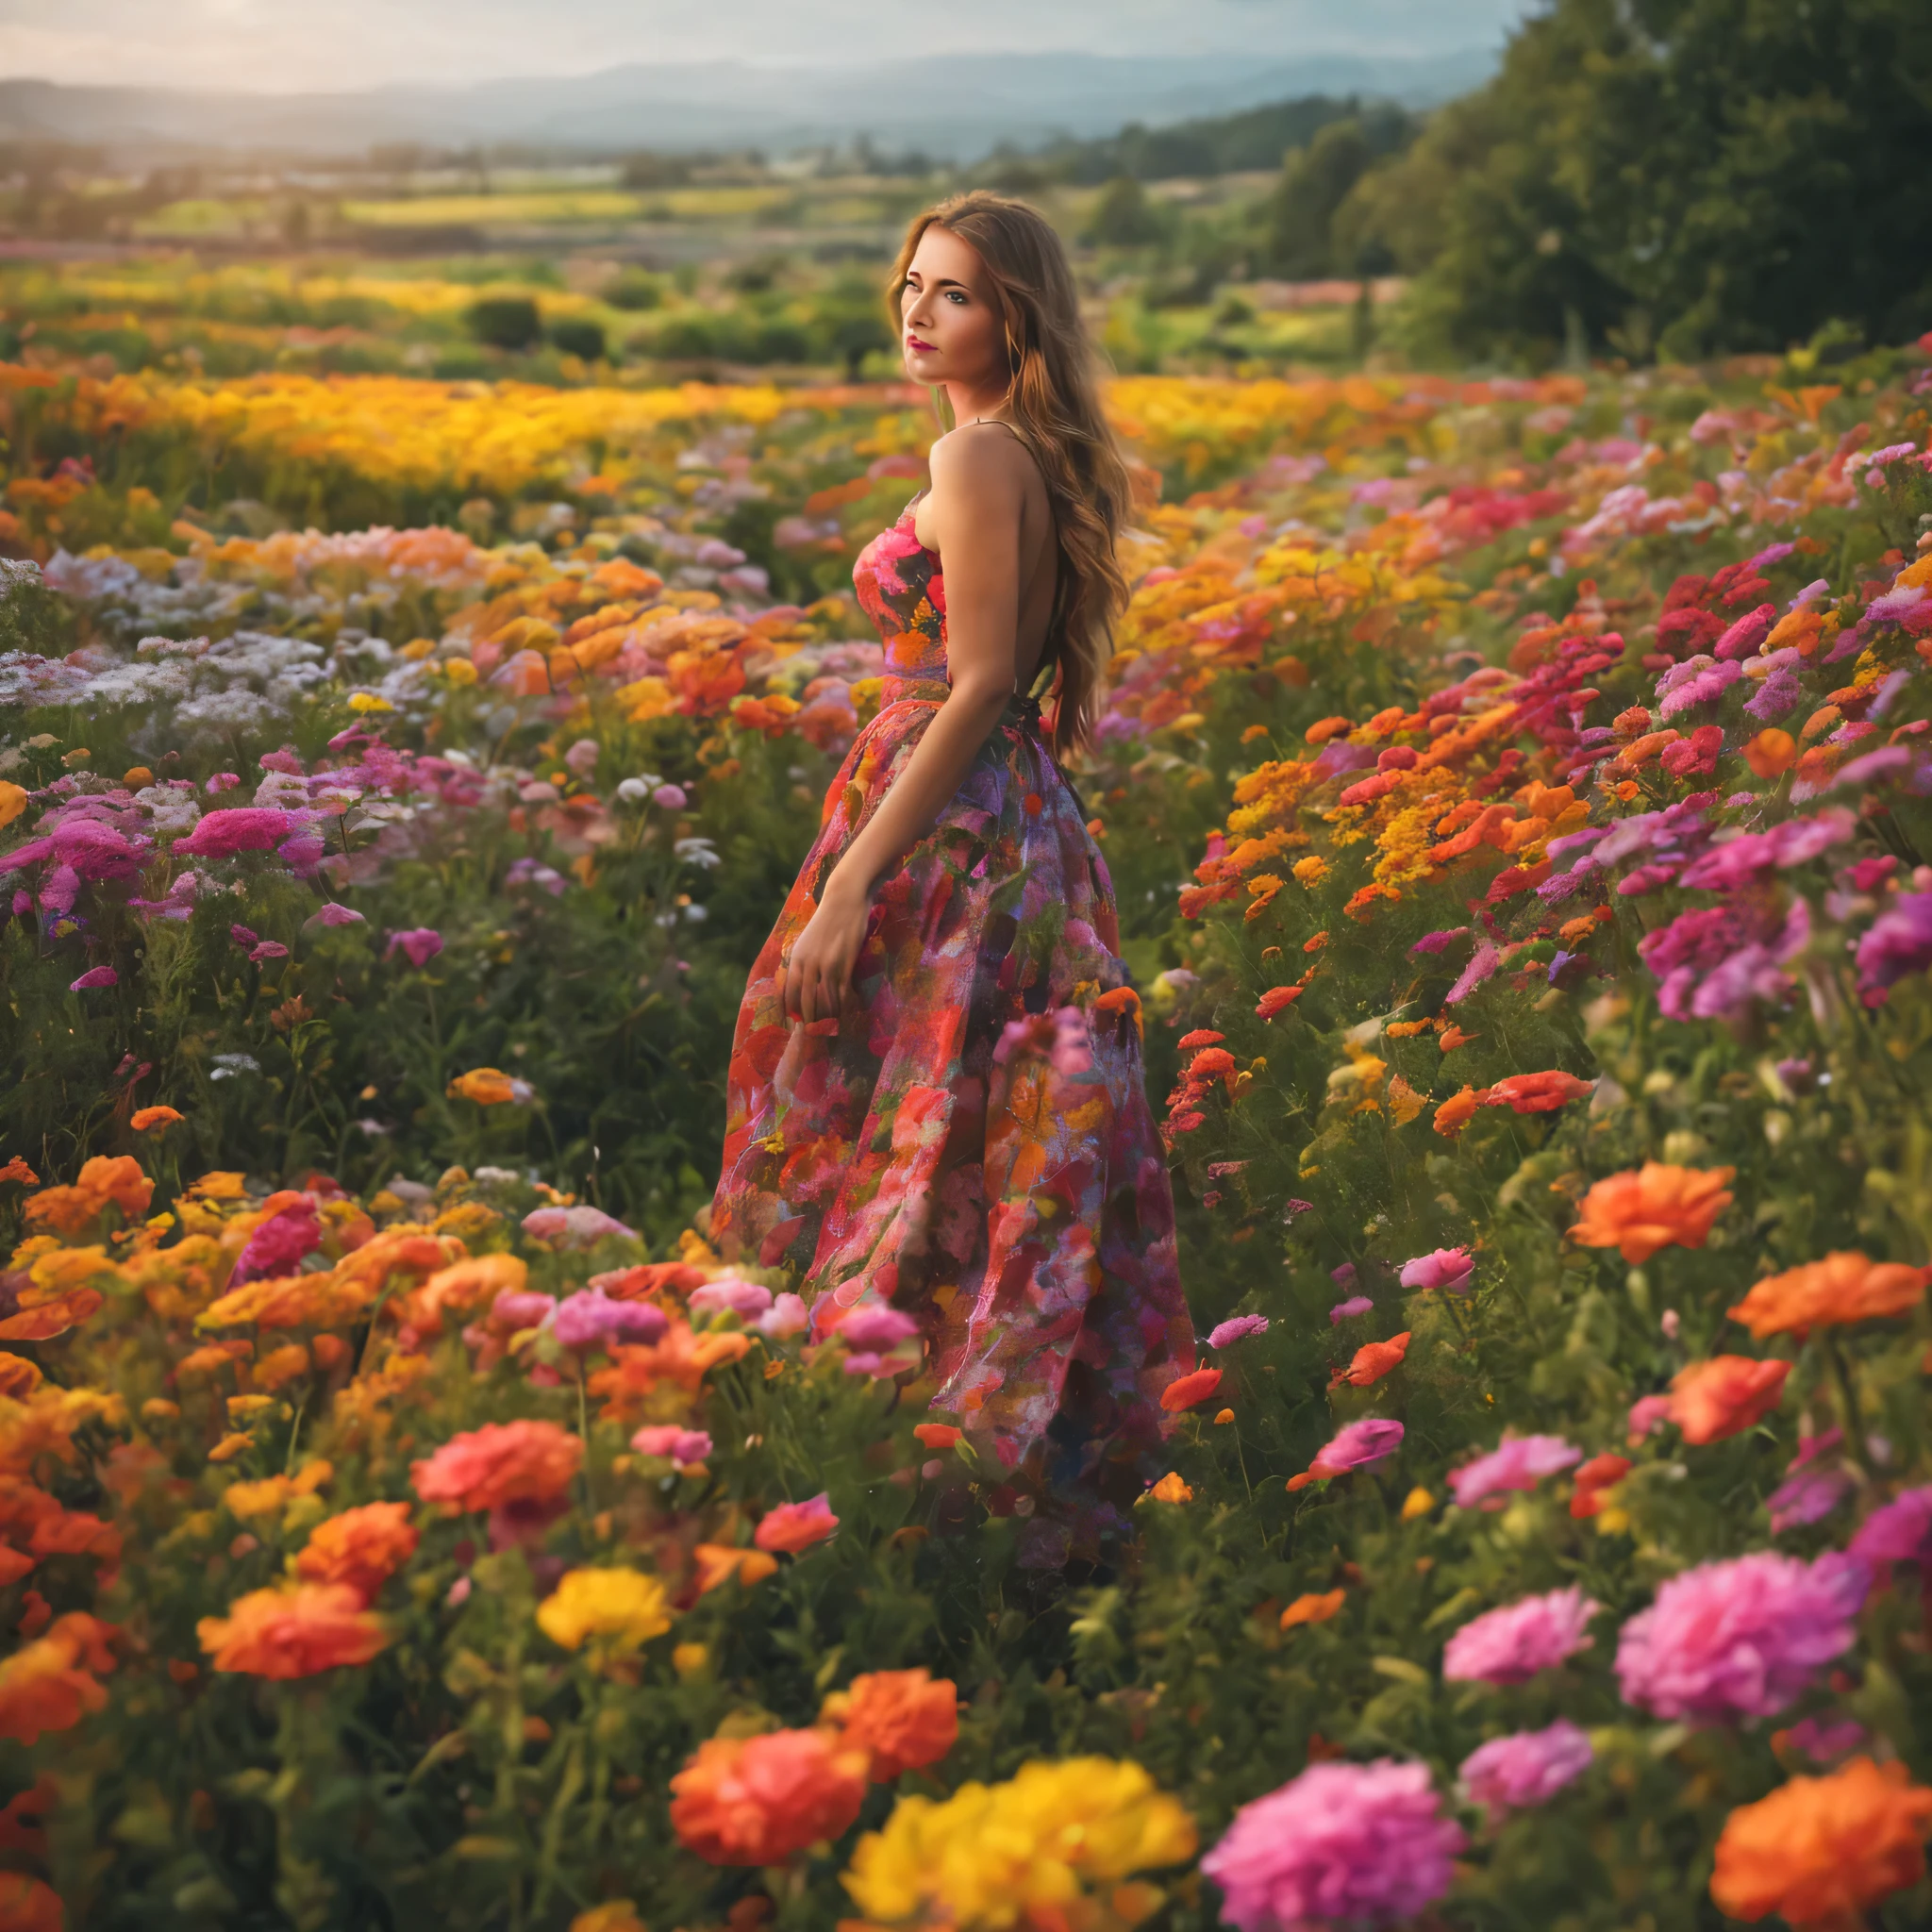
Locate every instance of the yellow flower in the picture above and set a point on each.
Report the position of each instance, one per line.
(368, 701)
(1311, 871)
(995, 1856)
(614, 1609)
(1417, 1502)
(614, 1915)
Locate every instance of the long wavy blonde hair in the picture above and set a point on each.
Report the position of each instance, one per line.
(1053, 399)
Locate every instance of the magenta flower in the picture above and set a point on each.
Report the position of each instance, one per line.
(1237, 1329)
(334, 913)
(873, 1327)
(1341, 1842)
(1517, 1462)
(94, 975)
(1900, 1532)
(1899, 941)
(1512, 1644)
(1359, 1445)
(1446, 1268)
(576, 1227)
(419, 944)
(1648, 1414)
(1809, 1496)
(788, 1315)
(278, 1246)
(1824, 1742)
(240, 828)
(730, 1294)
(1525, 1768)
(683, 1446)
(1343, 1312)
(590, 1319)
(1739, 1639)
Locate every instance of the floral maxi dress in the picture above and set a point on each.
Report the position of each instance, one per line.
(972, 1143)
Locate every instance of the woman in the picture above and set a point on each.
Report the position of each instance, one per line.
(936, 1097)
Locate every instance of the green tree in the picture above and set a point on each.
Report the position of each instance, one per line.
(1124, 217)
(1703, 175)
(1300, 217)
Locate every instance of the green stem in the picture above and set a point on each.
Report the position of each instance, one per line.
(1848, 1401)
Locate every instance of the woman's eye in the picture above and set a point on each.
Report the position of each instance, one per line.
(954, 296)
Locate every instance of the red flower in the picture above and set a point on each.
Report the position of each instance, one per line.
(1536, 1092)
(795, 1526)
(1277, 1000)
(499, 1463)
(1189, 1389)
(902, 1720)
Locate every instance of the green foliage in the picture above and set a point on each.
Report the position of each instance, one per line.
(505, 321)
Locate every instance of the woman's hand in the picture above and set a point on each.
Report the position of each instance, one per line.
(819, 969)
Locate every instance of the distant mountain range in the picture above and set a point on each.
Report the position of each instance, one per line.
(954, 107)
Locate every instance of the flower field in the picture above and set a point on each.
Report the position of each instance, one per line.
(1518, 797)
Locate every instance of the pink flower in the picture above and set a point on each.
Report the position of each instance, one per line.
(1359, 1445)
(1237, 1329)
(1525, 1768)
(1901, 1532)
(1447, 1268)
(1512, 1644)
(95, 976)
(1648, 1413)
(419, 944)
(1343, 1312)
(279, 1244)
(795, 1526)
(1741, 1639)
(670, 797)
(334, 913)
(874, 1328)
(730, 1294)
(517, 1307)
(1341, 1842)
(788, 1315)
(241, 828)
(1517, 1462)
(683, 1446)
(590, 1319)
(1809, 1496)
(577, 1227)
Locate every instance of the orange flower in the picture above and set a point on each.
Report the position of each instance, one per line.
(462, 1287)
(795, 1526)
(146, 1117)
(1187, 1389)
(47, 1684)
(936, 1434)
(489, 1086)
(718, 1563)
(1771, 752)
(1373, 1360)
(1170, 1489)
(1278, 999)
(1313, 1609)
(104, 1179)
(1844, 1287)
(362, 1547)
(17, 1170)
(760, 1801)
(1654, 1207)
(1452, 1036)
(1819, 1850)
(902, 1719)
(1456, 1112)
(499, 1463)
(294, 1633)
(19, 1377)
(1725, 1395)
(1594, 1477)
(28, 1906)
(1536, 1092)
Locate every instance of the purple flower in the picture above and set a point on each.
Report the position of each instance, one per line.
(1354, 1305)
(1899, 1532)
(1355, 1843)
(1444, 1268)
(1343, 1276)
(1517, 1462)
(1512, 1644)
(94, 975)
(1525, 1768)
(576, 1227)
(419, 944)
(241, 828)
(1779, 692)
(730, 1294)
(683, 1446)
(590, 1319)
(670, 797)
(1741, 1639)
(788, 1315)
(1696, 681)
(1824, 1741)
(1808, 1497)
(1898, 941)
(873, 1327)
(1359, 1445)
(1237, 1329)
(1433, 943)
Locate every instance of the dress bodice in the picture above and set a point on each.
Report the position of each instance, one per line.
(902, 590)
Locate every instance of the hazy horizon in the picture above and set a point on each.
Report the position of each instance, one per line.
(276, 46)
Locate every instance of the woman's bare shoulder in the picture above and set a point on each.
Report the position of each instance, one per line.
(983, 458)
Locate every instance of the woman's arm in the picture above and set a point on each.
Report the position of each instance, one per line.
(978, 493)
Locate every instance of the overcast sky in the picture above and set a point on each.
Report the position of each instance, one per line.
(298, 45)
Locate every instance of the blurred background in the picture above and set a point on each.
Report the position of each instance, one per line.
(639, 194)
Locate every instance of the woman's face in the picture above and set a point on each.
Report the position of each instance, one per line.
(950, 326)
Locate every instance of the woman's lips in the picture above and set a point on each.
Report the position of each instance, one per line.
(918, 347)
